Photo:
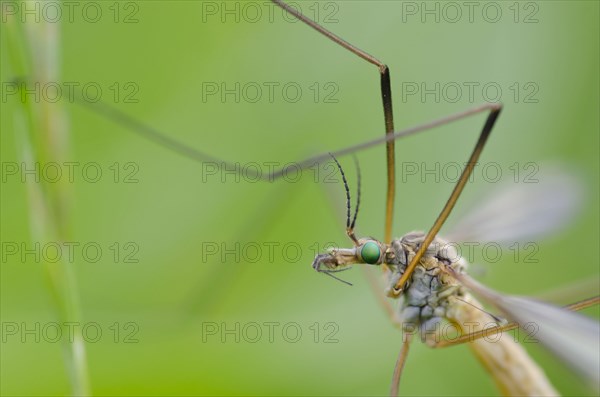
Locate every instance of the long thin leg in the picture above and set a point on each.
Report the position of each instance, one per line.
(390, 137)
(485, 133)
(386, 96)
(510, 326)
(402, 355)
(180, 148)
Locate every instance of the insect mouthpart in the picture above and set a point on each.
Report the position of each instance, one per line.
(324, 262)
(336, 260)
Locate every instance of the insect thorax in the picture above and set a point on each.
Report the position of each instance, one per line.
(426, 297)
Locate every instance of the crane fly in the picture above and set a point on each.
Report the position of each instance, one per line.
(439, 289)
(431, 281)
(414, 260)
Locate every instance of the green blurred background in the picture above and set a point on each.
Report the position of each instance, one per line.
(176, 290)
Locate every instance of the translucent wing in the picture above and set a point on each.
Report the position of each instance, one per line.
(516, 212)
(572, 337)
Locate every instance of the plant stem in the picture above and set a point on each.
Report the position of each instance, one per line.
(33, 49)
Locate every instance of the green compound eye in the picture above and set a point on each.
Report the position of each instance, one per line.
(370, 252)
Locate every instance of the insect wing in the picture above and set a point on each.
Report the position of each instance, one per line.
(517, 212)
(571, 336)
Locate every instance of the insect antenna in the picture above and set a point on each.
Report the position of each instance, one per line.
(349, 226)
(357, 194)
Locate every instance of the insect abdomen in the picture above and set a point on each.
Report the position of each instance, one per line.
(512, 369)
